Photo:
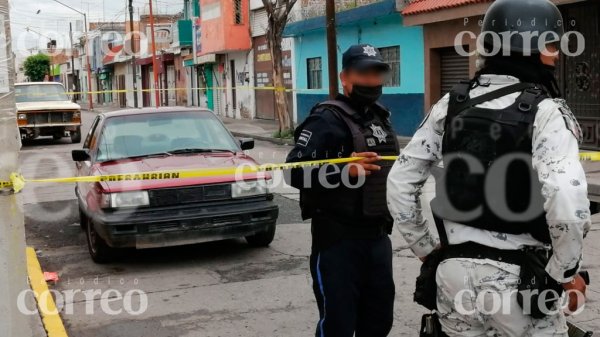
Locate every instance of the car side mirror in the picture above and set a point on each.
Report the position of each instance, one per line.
(246, 143)
(80, 155)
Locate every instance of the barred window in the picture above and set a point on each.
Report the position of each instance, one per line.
(314, 73)
(237, 4)
(391, 56)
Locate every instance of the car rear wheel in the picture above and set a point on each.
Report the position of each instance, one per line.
(99, 250)
(76, 136)
(262, 239)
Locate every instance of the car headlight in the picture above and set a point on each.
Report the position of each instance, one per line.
(77, 114)
(125, 199)
(22, 116)
(243, 189)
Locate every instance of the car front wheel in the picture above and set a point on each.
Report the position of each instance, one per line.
(262, 239)
(99, 250)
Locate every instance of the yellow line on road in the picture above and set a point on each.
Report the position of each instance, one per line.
(50, 317)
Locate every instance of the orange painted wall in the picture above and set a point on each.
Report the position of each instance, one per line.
(220, 34)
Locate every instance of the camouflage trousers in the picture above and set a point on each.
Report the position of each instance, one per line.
(478, 298)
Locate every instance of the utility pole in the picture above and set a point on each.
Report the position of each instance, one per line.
(133, 51)
(89, 66)
(13, 272)
(154, 60)
(74, 78)
(331, 48)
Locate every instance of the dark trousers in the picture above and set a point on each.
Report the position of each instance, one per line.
(354, 288)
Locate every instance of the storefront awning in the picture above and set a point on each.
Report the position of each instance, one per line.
(208, 58)
(188, 63)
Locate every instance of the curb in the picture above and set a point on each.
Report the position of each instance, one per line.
(47, 307)
(277, 141)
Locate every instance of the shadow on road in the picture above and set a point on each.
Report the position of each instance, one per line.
(45, 141)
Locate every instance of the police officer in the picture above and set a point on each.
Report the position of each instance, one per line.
(511, 187)
(351, 259)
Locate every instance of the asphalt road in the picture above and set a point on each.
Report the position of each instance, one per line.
(167, 276)
(214, 289)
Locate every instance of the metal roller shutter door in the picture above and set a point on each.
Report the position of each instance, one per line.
(453, 68)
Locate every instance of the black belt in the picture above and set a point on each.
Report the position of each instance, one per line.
(472, 250)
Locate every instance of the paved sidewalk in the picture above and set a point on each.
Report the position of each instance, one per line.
(592, 170)
(260, 129)
(35, 320)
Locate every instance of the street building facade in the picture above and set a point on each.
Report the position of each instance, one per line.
(578, 75)
(224, 53)
(379, 24)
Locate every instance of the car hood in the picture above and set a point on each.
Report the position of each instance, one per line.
(51, 105)
(172, 164)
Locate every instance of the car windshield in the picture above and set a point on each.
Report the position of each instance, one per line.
(40, 93)
(161, 134)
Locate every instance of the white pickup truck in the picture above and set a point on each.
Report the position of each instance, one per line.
(44, 109)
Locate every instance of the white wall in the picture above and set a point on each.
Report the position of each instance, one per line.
(129, 86)
(256, 4)
(245, 104)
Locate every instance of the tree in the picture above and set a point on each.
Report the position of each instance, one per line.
(36, 67)
(278, 12)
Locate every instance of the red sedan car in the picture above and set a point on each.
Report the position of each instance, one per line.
(168, 212)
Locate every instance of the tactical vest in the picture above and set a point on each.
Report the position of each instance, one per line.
(375, 135)
(488, 181)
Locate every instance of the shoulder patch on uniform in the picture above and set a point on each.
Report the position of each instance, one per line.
(304, 138)
(570, 119)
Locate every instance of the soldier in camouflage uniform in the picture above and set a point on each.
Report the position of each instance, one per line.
(510, 108)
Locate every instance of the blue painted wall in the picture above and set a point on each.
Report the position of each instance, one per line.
(405, 101)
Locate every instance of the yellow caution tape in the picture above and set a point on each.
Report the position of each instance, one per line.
(17, 182)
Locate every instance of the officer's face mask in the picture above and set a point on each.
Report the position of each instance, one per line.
(365, 95)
